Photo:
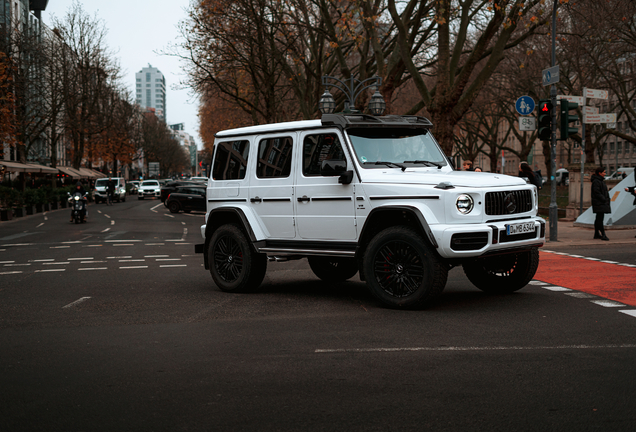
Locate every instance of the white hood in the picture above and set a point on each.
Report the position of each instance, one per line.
(433, 176)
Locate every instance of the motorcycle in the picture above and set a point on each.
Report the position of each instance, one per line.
(78, 205)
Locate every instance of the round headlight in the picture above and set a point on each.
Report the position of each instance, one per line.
(464, 204)
(76, 197)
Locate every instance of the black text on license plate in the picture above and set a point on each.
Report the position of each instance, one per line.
(520, 228)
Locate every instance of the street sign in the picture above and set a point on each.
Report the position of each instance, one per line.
(550, 75)
(611, 125)
(595, 94)
(524, 105)
(599, 118)
(527, 123)
(589, 110)
(576, 99)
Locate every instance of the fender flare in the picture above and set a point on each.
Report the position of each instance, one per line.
(415, 211)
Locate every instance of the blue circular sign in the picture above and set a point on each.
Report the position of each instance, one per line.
(525, 105)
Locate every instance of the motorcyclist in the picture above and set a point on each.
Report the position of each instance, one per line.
(79, 188)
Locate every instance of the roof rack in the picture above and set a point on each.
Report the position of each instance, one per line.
(349, 120)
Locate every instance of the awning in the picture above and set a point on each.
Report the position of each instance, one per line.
(99, 174)
(70, 172)
(20, 167)
(88, 173)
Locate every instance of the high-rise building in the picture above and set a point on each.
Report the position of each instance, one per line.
(151, 90)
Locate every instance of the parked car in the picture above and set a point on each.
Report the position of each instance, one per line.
(186, 198)
(357, 193)
(100, 194)
(199, 179)
(167, 188)
(562, 177)
(149, 189)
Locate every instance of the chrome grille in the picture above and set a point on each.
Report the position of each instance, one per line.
(508, 202)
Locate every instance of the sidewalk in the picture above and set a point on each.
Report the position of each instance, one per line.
(570, 235)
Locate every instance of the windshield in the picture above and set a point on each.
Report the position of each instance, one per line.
(101, 182)
(150, 183)
(391, 146)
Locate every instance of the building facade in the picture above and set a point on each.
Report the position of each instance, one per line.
(150, 90)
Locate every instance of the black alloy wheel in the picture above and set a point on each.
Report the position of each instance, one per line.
(401, 269)
(174, 207)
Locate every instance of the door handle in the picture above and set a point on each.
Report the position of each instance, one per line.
(255, 200)
(304, 198)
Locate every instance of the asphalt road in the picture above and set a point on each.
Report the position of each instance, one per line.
(115, 325)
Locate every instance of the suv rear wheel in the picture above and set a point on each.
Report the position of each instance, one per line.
(333, 269)
(174, 207)
(401, 269)
(502, 274)
(234, 266)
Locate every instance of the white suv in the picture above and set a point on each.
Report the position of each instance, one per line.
(370, 194)
(149, 189)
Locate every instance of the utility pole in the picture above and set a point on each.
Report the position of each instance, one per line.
(553, 212)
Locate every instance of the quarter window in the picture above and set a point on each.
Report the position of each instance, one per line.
(320, 147)
(230, 161)
(274, 157)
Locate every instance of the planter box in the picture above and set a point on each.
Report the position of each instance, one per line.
(30, 210)
(19, 212)
(6, 215)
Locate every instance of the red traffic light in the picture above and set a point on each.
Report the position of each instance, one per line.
(545, 107)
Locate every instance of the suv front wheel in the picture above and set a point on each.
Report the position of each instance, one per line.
(503, 274)
(234, 266)
(401, 269)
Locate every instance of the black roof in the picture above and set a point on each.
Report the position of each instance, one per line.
(365, 120)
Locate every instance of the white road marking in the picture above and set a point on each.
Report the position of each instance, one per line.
(182, 223)
(473, 348)
(174, 265)
(50, 270)
(155, 244)
(93, 268)
(99, 211)
(106, 230)
(121, 241)
(11, 262)
(170, 216)
(72, 242)
(42, 260)
(133, 267)
(119, 257)
(10, 272)
(83, 299)
(80, 259)
(152, 256)
(107, 216)
(132, 260)
(168, 259)
(158, 205)
(627, 265)
(608, 303)
(182, 243)
(18, 244)
(16, 265)
(592, 259)
(59, 247)
(91, 262)
(536, 282)
(580, 295)
(56, 262)
(93, 245)
(609, 262)
(40, 225)
(556, 288)
(629, 312)
(123, 244)
(112, 222)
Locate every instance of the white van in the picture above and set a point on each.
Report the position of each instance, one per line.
(100, 189)
(620, 173)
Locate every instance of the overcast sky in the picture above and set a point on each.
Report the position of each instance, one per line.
(137, 31)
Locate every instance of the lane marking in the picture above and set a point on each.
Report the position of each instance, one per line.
(92, 268)
(182, 243)
(18, 244)
(72, 242)
(608, 303)
(473, 348)
(59, 247)
(121, 241)
(173, 265)
(50, 270)
(168, 259)
(112, 222)
(11, 262)
(123, 244)
(119, 257)
(579, 295)
(56, 262)
(106, 230)
(10, 272)
(40, 225)
(133, 267)
(155, 244)
(152, 256)
(16, 265)
(76, 302)
(107, 216)
(80, 259)
(91, 262)
(153, 208)
(556, 288)
(629, 312)
(132, 260)
(42, 260)
(93, 245)
(170, 216)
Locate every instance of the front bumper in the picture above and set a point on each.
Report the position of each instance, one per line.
(149, 193)
(473, 240)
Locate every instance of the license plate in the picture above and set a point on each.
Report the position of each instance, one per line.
(520, 228)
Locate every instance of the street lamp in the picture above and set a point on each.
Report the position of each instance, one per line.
(352, 90)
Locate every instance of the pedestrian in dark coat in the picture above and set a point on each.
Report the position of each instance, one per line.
(526, 172)
(600, 202)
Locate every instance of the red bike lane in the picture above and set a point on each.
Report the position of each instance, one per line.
(611, 281)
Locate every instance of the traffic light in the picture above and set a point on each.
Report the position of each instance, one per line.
(545, 120)
(567, 118)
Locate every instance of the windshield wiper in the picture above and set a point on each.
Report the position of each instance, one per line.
(389, 164)
(425, 162)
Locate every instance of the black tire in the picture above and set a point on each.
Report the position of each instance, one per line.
(401, 269)
(333, 269)
(174, 207)
(234, 266)
(503, 274)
